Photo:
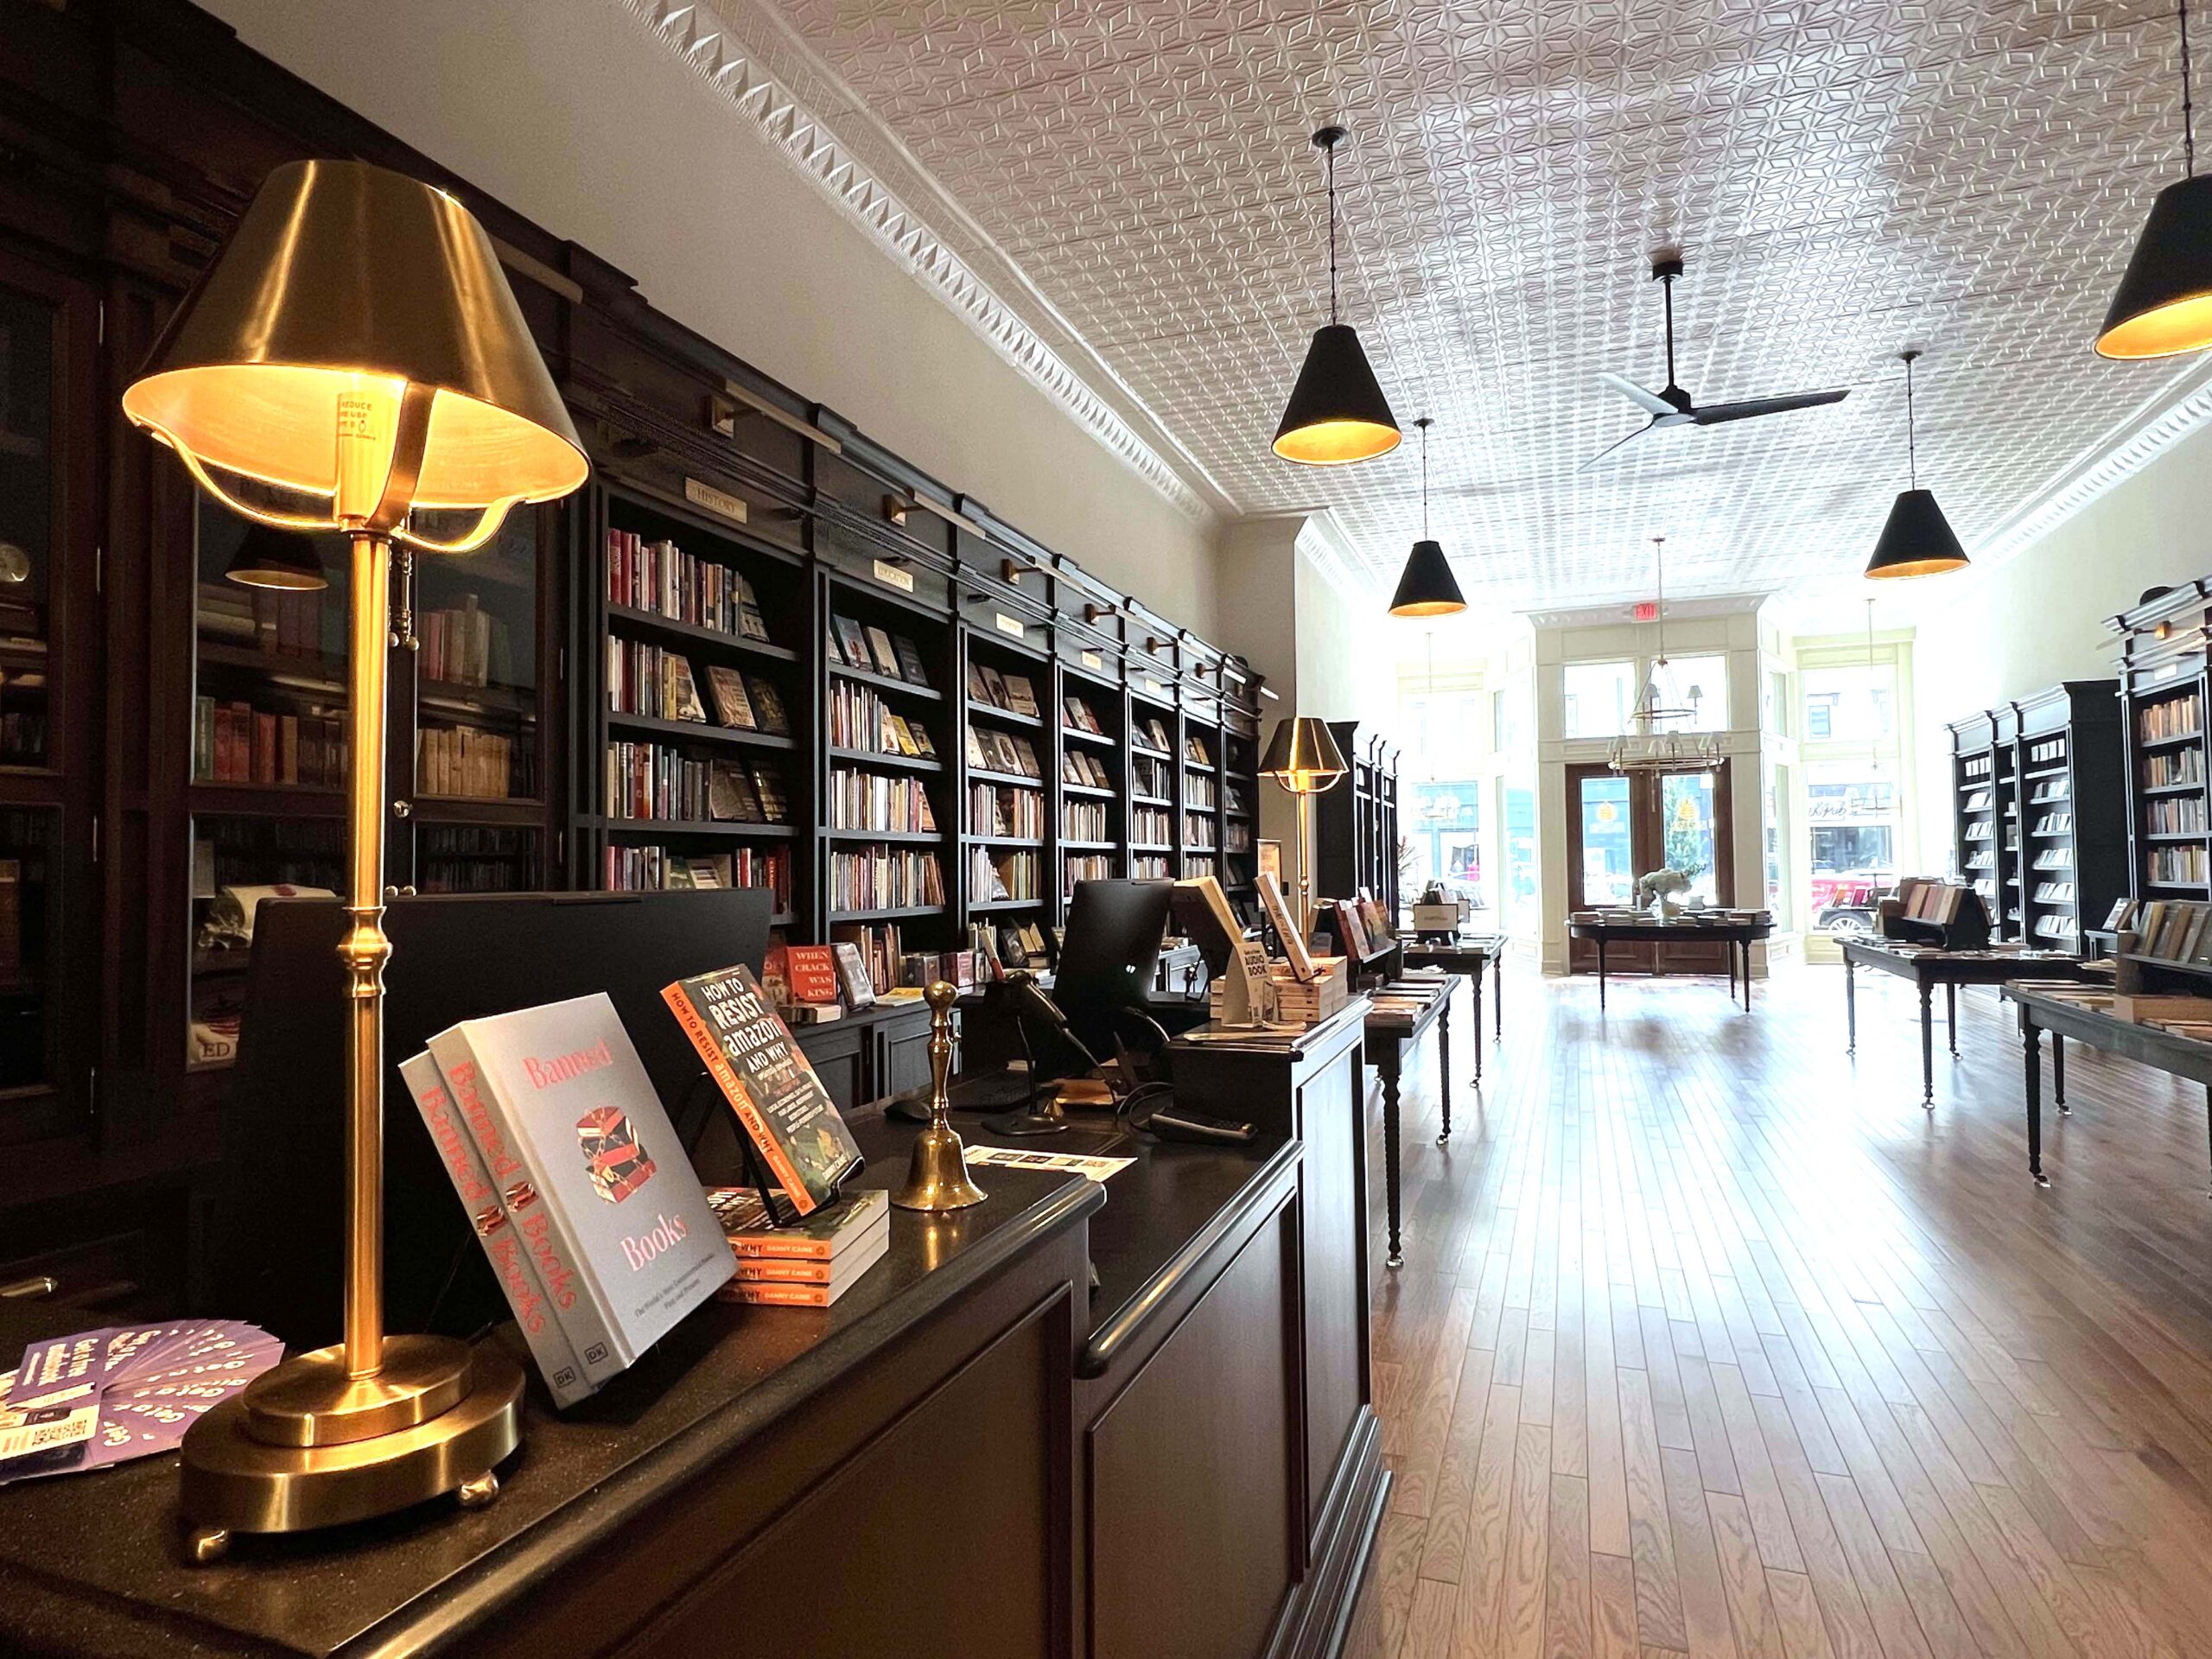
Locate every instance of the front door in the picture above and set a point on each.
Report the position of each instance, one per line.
(1621, 825)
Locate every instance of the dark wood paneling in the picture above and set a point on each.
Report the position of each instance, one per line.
(1333, 1264)
(1191, 1532)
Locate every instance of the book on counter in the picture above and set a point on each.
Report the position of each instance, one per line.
(768, 1081)
(809, 1263)
(523, 1254)
(625, 1241)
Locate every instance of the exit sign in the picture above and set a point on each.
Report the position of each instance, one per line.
(1647, 610)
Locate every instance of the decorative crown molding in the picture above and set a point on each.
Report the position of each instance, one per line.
(2169, 414)
(719, 58)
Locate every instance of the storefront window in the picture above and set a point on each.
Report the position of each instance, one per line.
(1599, 698)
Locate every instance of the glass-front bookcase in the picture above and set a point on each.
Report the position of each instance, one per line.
(466, 714)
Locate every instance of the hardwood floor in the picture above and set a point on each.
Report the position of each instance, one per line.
(1709, 1340)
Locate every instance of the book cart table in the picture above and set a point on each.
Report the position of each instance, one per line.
(1392, 1028)
(1925, 967)
(2049, 1008)
(1738, 937)
(1469, 954)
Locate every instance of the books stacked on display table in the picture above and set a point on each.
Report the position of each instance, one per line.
(807, 1264)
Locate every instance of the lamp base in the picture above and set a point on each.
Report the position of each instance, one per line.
(236, 1480)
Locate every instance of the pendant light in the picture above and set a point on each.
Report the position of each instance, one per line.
(1917, 540)
(2164, 307)
(1427, 586)
(1337, 413)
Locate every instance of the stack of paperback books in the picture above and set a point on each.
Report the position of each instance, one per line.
(575, 1182)
(807, 1264)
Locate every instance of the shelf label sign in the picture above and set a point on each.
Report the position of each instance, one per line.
(1092, 659)
(1154, 687)
(1011, 626)
(892, 576)
(721, 503)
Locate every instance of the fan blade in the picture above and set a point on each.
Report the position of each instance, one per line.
(1751, 408)
(1650, 402)
(1610, 447)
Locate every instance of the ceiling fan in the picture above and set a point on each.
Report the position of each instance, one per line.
(1673, 406)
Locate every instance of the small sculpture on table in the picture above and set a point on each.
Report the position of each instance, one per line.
(936, 1175)
(1660, 889)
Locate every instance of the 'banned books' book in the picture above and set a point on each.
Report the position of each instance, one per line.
(768, 1083)
(500, 1231)
(615, 1191)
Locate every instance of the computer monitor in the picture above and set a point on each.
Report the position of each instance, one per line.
(279, 1227)
(1110, 956)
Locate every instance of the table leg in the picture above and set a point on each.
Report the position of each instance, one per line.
(1388, 1056)
(1444, 1058)
(1498, 995)
(2031, 1054)
(1601, 973)
(1927, 1045)
(1475, 983)
(1850, 1007)
(1951, 1017)
(1729, 945)
(2208, 1106)
(2058, 1075)
(1747, 975)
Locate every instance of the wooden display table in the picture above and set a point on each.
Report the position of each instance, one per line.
(1408, 1008)
(2046, 1007)
(1738, 937)
(1928, 966)
(1470, 954)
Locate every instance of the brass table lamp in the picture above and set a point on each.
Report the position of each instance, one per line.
(937, 1173)
(1303, 757)
(354, 357)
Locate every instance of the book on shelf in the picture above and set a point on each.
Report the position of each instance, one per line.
(910, 661)
(852, 980)
(611, 1194)
(811, 974)
(1020, 696)
(768, 1081)
(994, 686)
(852, 641)
(733, 702)
(750, 623)
(768, 706)
(884, 654)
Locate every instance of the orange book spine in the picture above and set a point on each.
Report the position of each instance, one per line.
(796, 1250)
(739, 1290)
(741, 1099)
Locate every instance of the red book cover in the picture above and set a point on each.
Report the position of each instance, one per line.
(812, 970)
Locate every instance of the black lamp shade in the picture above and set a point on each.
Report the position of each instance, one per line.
(1337, 412)
(1917, 540)
(275, 559)
(2164, 307)
(1303, 756)
(1427, 586)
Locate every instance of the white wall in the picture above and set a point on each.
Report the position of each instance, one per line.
(1987, 636)
(568, 113)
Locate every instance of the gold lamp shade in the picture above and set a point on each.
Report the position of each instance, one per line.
(1303, 756)
(358, 343)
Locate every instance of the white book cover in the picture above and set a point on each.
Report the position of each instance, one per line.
(583, 1120)
(497, 1231)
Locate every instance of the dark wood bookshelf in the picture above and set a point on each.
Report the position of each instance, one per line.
(2161, 698)
(118, 1124)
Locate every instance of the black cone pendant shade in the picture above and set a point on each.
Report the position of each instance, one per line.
(1427, 586)
(1916, 540)
(2163, 305)
(1337, 413)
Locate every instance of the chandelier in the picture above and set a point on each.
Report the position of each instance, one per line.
(1659, 738)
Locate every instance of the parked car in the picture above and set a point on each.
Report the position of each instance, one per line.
(1844, 900)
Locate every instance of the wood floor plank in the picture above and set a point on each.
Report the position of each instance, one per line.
(1710, 1341)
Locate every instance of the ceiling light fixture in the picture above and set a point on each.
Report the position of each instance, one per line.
(1337, 413)
(1917, 540)
(1656, 742)
(1427, 586)
(2163, 305)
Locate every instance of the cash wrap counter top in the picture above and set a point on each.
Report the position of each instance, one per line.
(971, 1453)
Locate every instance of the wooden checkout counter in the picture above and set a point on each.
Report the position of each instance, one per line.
(972, 1454)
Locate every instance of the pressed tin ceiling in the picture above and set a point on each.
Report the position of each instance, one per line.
(1133, 183)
